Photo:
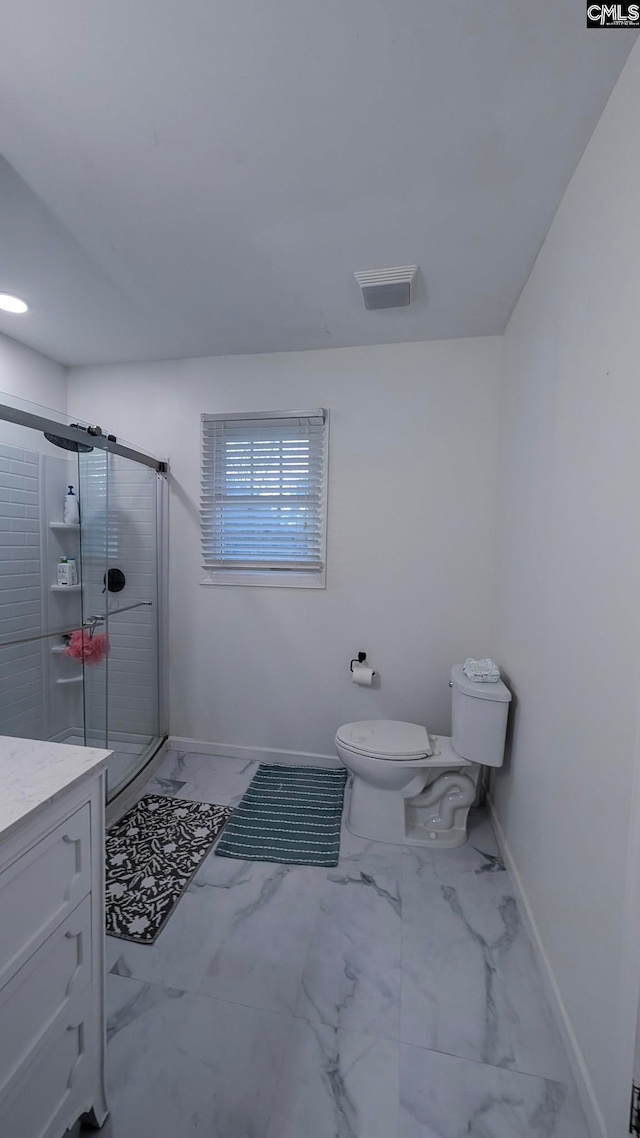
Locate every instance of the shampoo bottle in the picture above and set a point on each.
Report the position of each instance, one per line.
(63, 572)
(71, 511)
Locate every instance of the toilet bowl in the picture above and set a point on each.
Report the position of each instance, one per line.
(408, 787)
(385, 752)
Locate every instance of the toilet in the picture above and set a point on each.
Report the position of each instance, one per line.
(412, 788)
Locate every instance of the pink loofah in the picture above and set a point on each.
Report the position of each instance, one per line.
(88, 649)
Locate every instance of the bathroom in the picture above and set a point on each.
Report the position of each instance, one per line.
(478, 467)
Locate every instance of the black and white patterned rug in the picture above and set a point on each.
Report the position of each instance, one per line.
(152, 854)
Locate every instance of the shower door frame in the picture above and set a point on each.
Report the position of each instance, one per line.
(95, 436)
(79, 435)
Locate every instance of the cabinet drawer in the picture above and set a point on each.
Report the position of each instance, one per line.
(54, 1089)
(40, 889)
(38, 996)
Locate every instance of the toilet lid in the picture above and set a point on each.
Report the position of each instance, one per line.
(386, 738)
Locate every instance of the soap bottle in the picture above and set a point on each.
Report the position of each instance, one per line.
(71, 511)
(63, 571)
(72, 571)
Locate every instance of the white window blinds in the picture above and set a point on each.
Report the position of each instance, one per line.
(264, 491)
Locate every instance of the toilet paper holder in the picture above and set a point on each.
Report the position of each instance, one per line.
(359, 659)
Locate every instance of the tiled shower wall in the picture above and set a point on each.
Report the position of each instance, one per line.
(22, 685)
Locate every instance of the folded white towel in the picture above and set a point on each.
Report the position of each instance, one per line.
(481, 671)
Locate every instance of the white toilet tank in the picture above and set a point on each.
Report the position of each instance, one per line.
(479, 719)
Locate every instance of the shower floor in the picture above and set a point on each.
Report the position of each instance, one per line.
(395, 996)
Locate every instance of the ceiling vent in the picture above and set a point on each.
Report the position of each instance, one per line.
(388, 288)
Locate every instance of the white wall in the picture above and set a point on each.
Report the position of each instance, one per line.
(30, 375)
(568, 596)
(411, 530)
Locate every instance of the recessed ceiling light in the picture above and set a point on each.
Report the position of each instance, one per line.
(10, 303)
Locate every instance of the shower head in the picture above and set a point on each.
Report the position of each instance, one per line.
(68, 444)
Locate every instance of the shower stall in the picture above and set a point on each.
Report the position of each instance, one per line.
(114, 699)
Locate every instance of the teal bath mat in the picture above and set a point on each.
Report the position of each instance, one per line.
(289, 814)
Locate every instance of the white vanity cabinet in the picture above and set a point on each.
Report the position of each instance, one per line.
(52, 1032)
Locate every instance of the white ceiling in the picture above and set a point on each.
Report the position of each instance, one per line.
(193, 177)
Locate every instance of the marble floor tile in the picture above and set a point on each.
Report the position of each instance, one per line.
(451, 997)
(181, 953)
(207, 778)
(261, 917)
(537, 1045)
(336, 1084)
(160, 784)
(445, 1097)
(113, 949)
(272, 1003)
(186, 1066)
(241, 930)
(470, 983)
(352, 975)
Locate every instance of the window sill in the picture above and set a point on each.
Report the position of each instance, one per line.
(261, 578)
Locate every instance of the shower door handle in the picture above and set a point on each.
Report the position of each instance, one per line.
(114, 612)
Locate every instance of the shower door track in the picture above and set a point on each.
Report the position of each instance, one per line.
(77, 435)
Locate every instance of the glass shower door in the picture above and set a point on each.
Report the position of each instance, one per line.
(119, 563)
(49, 687)
(133, 694)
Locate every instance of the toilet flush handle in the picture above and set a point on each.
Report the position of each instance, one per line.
(450, 683)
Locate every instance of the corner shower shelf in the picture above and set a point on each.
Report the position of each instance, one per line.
(58, 649)
(66, 588)
(70, 680)
(73, 526)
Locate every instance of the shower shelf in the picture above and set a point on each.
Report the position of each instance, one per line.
(66, 588)
(70, 680)
(74, 527)
(58, 650)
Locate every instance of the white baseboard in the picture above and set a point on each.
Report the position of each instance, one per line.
(584, 1085)
(254, 754)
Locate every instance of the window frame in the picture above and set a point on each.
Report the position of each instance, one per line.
(272, 578)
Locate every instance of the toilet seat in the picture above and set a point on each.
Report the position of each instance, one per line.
(385, 739)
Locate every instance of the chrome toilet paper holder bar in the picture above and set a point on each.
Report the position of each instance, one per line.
(359, 659)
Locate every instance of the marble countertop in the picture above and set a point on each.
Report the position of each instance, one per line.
(33, 774)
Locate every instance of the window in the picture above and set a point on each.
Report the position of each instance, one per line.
(263, 514)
